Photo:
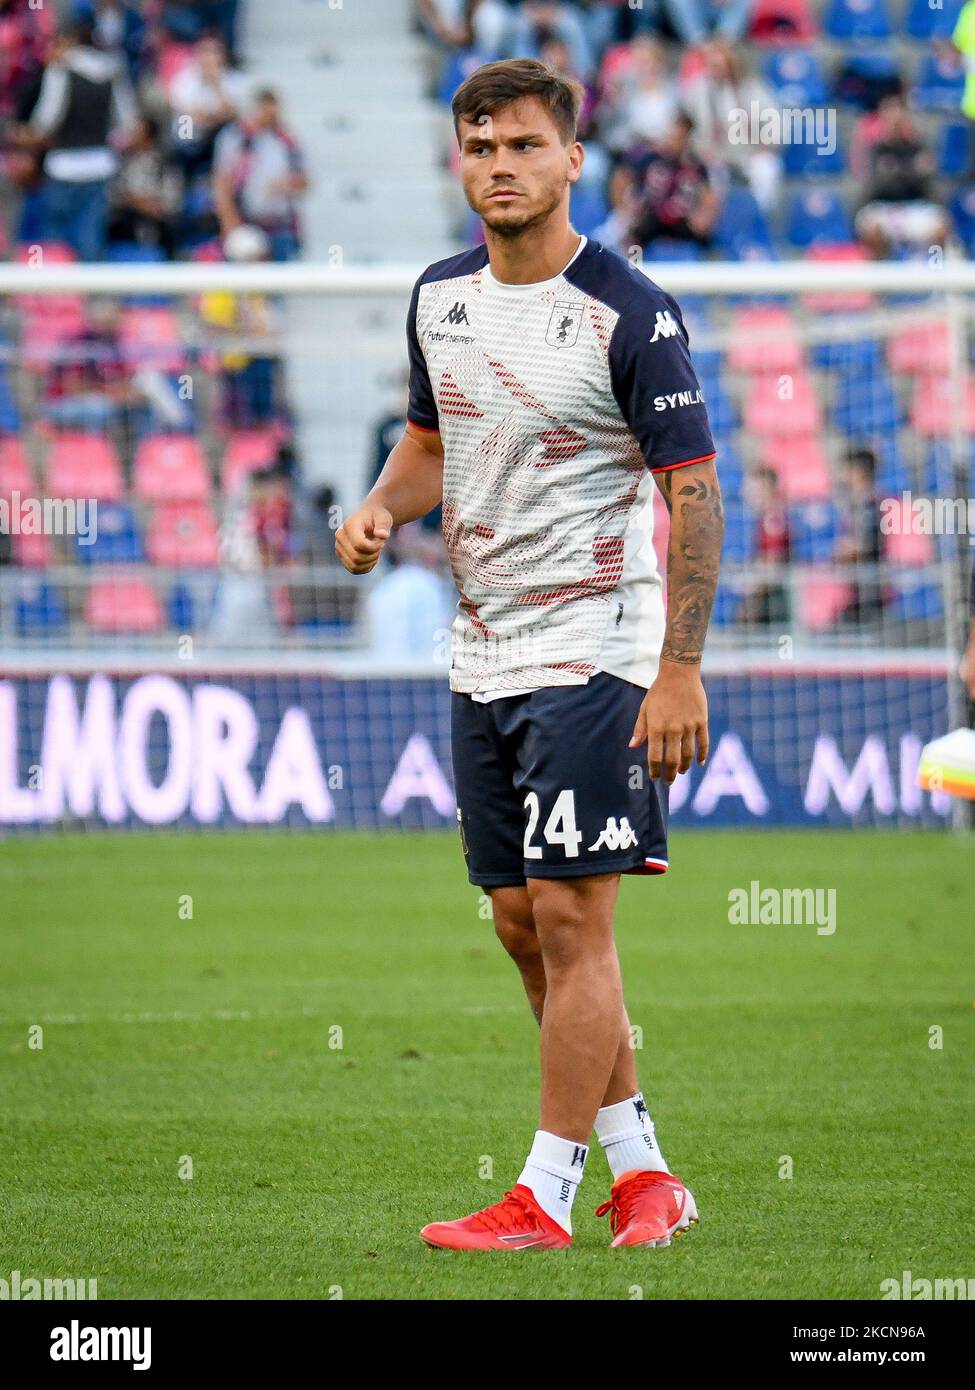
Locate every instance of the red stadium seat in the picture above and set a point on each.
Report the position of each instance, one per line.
(183, 535)
(906, 544)
(33, 551)
(246, 451)
(123, 605)
(801, 466)
(764, 340)
(822, 599)
(84, 465)
(767, 412)
(57, 319)
(934, 412)
(15, 469)
(170, 468)
(924, 348)
(151, 337)
(837, 301)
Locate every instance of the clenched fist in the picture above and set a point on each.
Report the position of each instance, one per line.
(360, 539)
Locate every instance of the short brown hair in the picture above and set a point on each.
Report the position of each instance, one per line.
(499, 84)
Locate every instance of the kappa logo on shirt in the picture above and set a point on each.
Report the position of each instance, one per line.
(614, 836)
(457, 315)
(563, 324)
(664, 326)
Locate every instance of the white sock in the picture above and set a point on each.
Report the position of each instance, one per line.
(553, 1170)
(625, 1131)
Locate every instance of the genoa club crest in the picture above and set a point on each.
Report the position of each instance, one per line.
(563, 326)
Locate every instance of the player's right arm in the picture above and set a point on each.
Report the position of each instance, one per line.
(410, 485)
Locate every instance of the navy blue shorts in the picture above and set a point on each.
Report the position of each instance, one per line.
(547, 787)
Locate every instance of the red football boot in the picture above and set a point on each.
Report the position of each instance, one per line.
(648, 1208)
(517, 1222)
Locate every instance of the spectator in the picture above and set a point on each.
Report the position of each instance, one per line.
(147, 194)
(248, 374)
(766, 603)
(22, 44)
(118, 27)
(899, 213)
(616, 231)
(693, 21)
(89, 386)
(714, 100)
(672, 188)
(259, 172)
(890, 114)
(861, 540)
(187, 21)
(639, 100)
(84, 100)
(537, 20)
(205, 96)
(410, 609)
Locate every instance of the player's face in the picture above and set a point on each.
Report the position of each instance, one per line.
(515, 168)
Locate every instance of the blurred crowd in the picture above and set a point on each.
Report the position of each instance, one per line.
(666, 81)
(130, 132)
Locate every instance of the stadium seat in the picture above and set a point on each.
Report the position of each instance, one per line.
(938, 477)
(123, 605)
(741, 224)
(801, 466)
(962, 209)
(837, 301)
(815, 530)
(924, 348)
(729, 465)
(847, 354)
(797, 78)
(906, 544)
(183, 535)
(915, 600)
(39, 609)
(953, 149)
(84, 465)
(940, 83)
(893, 474)
(59, 319)
(180, 608)
(247, 451)
(865, 78)
(816, 216)
(9, 410)
(857, 19)
(769, 413)
(933, 411)
(925, 20)
(782, 22)
(764, 339)
(664, 251)
(15, 470)
(117, 540)
(170, 467)
(822, 599)
(33, 551)
(150, 337)
(805, 159)
(132, 253)
(866, 405)
(589, 210)
(739, 533)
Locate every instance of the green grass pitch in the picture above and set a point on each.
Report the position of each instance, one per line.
(315, 1165)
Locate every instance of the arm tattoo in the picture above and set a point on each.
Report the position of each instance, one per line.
(693, 555)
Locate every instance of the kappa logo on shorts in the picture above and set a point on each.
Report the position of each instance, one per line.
(615, 836)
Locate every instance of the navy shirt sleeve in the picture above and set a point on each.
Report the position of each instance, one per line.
(422, 409)
(655, 384)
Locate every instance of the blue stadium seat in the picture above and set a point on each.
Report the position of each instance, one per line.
(180, 609)
(815, 216)
(924, 21)
(940, 83)
(741, 225)
(589, 210)
(915, 601)
(962, 209)
(938, 478)
(848, 355)
(805, 159)
(727, 603)
(739, 533)
(9, 412)
(39, 610)
(867, 405)
(815, 527)
(130, 253)
(893, 473)
(953, 143)
(664, 250)
(796, 76)
(857, 19)
(729, 466)
(117, 539)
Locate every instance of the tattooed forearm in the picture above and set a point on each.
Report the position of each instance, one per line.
(693, 497)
